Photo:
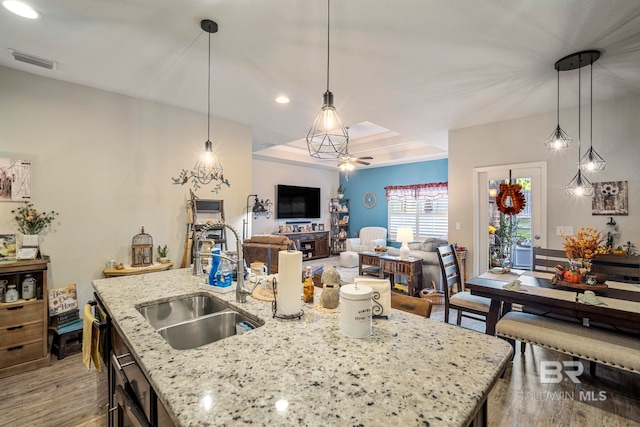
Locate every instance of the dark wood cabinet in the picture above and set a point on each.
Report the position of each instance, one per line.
(313, 244)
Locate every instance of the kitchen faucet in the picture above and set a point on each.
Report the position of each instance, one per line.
(241, 288)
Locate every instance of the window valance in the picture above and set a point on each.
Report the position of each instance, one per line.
(431, 191)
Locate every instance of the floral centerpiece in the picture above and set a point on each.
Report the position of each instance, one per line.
(31, 221)
(584, 246)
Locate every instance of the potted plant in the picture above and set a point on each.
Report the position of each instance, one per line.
(162, 252)
(32, 222)
(341, 190)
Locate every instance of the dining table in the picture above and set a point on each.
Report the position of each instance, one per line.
(617, 306)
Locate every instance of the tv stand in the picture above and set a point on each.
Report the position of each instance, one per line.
(312, 244)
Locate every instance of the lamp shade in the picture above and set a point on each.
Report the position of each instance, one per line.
(404, 235)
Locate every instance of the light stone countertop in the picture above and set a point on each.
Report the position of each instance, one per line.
(411, 371)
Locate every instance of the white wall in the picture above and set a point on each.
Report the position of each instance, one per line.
(266, 175)
(105, 162)
(616, 130)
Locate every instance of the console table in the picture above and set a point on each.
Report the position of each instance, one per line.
(312, 244)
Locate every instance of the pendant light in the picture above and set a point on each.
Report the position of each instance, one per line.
(592, 161)
(207, 169)
(558, 140)
(580, 186)
(327, 138)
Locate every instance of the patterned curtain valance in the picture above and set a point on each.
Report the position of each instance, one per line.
(431, 191)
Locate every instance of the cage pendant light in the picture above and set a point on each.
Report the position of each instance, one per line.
(559, 139)
(579, 186)
(592, 161)
(328, 138)
(207, 169)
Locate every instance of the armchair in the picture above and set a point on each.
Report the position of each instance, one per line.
(369, 238)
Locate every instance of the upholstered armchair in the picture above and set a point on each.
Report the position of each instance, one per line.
(368, 239)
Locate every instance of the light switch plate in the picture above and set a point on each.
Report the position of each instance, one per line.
(567, 230)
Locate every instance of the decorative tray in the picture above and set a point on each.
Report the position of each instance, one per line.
(583, 286)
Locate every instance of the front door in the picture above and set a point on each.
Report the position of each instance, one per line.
(528, 228)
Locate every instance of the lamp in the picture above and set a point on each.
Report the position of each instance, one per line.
(327, 138)
(578, 186)
(404, 235)
(558, 139)
(208, 168)
(260, 207)
(591, 161)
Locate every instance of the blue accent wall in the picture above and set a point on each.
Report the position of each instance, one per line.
(376, 179)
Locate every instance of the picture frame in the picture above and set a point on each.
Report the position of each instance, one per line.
(320, 227)
(314, 226)
(296, 229)
(610, 198)
(281, 229)
(289, 229)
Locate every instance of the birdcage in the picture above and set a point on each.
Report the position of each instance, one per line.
(141, 250)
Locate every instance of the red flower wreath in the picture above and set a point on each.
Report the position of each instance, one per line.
(509, 191)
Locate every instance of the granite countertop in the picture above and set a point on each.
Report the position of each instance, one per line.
(411, 370)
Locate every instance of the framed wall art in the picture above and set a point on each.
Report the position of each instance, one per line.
(15, 180)
(610, 198)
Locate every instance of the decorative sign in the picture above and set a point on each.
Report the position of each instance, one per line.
(7, 246)
(62, 299)
(610, 198)
(15, 180)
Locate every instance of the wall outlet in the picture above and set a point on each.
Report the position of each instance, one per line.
(457, 226)
(567, 230)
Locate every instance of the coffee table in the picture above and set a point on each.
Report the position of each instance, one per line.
(369, 263)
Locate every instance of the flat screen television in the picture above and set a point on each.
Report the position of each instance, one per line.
(297, 202)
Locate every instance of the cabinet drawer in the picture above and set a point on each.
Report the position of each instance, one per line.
(20, 354)
(20, 313)
(13, 335)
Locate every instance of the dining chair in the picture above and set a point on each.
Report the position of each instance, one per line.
(419, 306)
(463, 301)
(547, 259)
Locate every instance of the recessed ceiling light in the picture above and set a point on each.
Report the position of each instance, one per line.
(21, 9)
(282, 100)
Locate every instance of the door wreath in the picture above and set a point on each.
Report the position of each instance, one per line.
(510, 199)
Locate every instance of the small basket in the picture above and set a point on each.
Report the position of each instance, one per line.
(436, 297)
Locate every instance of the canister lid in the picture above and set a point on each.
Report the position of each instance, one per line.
(360, 292)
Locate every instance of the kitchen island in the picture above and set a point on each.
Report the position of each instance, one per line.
(411, 371)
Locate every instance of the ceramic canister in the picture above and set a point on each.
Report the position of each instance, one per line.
(355, 311)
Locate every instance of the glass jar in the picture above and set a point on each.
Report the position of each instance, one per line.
(29, 287)
(12, 294)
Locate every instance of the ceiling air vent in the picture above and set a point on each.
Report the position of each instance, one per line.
(33, 60)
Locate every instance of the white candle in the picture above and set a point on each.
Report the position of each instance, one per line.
(289, 282)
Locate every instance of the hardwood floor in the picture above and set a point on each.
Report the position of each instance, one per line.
(63, 394)
(611, 398)
(66, 394)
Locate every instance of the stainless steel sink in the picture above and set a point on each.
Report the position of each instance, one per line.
(180, 310)
(197, 320)
(207, 329)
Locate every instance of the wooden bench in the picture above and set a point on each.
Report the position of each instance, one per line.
(593, 344)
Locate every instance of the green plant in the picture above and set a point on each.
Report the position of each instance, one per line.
(31, 221)
(162, 251)
(341, 189)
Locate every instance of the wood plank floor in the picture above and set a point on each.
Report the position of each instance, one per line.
(65, 394)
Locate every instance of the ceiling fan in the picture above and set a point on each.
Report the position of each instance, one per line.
(346, 161)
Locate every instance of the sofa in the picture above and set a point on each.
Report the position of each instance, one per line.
(265, 248)
(427, 252)
(368, 239)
